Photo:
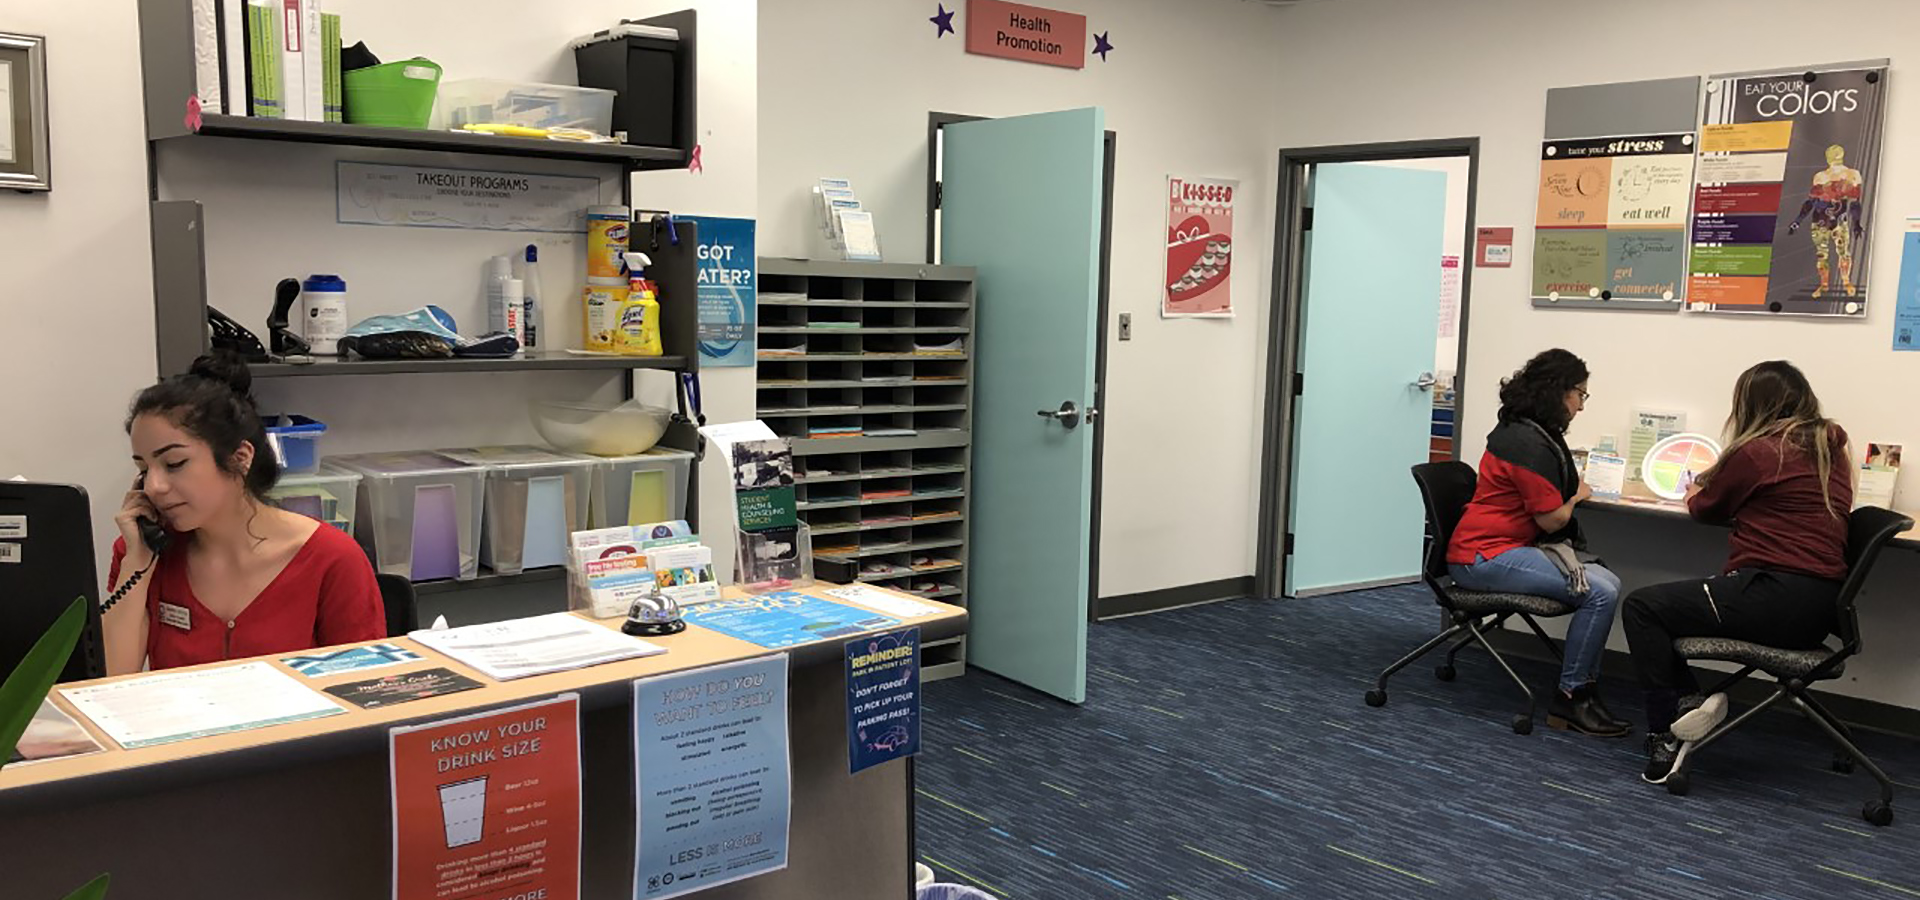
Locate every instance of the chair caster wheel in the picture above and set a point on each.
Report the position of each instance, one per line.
(1843, 765)
(1444, 672)
(1878, 813)
(1376, 697)
(1678, 785)
(1522, 723)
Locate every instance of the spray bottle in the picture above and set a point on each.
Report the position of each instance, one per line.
(638, 332)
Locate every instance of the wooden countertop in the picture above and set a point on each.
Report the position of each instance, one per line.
(1639, 499)
(285, 745)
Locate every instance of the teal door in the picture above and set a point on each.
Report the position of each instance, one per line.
(1021, 204)
(1369, 321)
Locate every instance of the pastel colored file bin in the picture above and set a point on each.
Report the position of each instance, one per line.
(535, 499)
(647, 487)
(329, 495)
(419, 513)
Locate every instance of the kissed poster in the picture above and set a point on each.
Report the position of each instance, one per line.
(1199, 247)
(1783, 209)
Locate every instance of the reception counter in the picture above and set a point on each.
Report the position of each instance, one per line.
(301, 810)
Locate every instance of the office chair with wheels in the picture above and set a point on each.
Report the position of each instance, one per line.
(396, 594)
(1869, 529)
(1446, 487)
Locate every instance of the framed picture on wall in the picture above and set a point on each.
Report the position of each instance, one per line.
(24, 163)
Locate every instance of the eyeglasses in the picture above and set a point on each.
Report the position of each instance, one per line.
(1583, 394)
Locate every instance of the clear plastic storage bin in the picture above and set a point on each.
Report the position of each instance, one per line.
(636, 490)
(418, 513)
(296, 442)
(494, 101)
(535, 498)
(327, 495)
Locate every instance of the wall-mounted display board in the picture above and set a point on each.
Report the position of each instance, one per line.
(1616, 175)
(1789, 162)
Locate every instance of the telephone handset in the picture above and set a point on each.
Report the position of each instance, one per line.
(151, 533)
(223, 333)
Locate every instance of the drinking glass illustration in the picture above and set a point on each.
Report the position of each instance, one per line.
(463, 807)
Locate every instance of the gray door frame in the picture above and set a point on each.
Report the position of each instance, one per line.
(1285, 331)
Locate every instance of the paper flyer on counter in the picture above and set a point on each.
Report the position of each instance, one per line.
(712, 776)
(784, 619)
(164, 707)
(52, 734)
(883, 698)
(1199, 271)
(1611, 218)
(1783, 210)
(724, 273)
(488, 805)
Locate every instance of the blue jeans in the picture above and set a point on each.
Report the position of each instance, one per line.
(1527, 570)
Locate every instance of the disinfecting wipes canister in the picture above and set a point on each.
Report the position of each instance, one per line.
(324, 298)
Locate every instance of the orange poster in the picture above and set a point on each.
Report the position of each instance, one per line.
(488, 806)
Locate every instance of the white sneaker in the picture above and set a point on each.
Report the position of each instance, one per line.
(1701, 722)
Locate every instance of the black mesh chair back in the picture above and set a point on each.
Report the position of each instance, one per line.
(396, 594)
(1445, 488)
(1869, 529)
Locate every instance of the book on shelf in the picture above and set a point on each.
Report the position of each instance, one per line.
(263, 42)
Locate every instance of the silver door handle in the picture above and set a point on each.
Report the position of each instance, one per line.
(1425, 382)
(1067, 415)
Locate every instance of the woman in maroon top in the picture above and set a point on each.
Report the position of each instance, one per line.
(237, 576)
(1783, 484)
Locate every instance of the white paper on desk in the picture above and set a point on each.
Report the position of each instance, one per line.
(52, 734)
(882, 601)
(727, 434)
(1606, 474)
(518, 648)
(1875, 488)
(176, 706)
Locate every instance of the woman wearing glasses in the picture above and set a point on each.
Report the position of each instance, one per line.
(1518, 534)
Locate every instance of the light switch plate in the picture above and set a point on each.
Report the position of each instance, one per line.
(1126, 326)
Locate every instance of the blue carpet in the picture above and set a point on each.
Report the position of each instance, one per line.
(1224, 752)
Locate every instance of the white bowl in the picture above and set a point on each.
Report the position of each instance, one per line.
(600, 430)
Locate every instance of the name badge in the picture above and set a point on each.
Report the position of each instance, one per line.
(177, 616)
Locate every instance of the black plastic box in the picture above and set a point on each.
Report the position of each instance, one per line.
(653, 79)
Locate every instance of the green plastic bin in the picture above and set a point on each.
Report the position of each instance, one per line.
(395, 94)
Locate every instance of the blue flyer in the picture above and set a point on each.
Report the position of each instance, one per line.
(784, 619)
(883, 698)
(1906, 306)
(316, 665)
(724, 272)
(712, 777)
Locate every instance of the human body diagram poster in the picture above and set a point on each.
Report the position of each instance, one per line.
(1783, 220)
(1611, 220)
(1199, 275)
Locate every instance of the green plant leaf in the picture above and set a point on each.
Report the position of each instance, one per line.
(29, 682)
(92, 890)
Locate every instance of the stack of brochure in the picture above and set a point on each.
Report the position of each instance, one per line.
(847, 225)
(610, 568)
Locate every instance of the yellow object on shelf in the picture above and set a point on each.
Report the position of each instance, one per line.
(638, 331)
(602, 307)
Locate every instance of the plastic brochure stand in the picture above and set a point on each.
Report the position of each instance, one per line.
(772, 560)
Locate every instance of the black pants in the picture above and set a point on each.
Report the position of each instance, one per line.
(1778, 609)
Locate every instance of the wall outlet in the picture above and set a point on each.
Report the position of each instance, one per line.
(1126, 326)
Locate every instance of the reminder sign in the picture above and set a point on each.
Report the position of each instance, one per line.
(883, 698)
(489, 805)
(1027, 33)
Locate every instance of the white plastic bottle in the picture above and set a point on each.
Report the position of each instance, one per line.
(530, 282)
(325, 322)
(504, 298)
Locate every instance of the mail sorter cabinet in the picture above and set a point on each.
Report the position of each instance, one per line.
(868, 368)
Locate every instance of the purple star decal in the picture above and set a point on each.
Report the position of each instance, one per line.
(943, 21)
(1101, 45)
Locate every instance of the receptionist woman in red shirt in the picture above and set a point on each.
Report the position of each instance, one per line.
(236, 576)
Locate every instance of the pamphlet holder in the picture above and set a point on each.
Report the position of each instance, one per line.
(771, 561)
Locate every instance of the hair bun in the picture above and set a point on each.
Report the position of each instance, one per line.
(227, 368)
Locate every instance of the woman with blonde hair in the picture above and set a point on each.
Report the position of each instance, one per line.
(1784, 485)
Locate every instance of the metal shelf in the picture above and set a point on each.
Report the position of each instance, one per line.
(930, 570)
(265, 129)
(857, 383)
(925, 440)
(871, 304)
(911, 547)
(856, 527)
(816, 329)
(861, 357)
(829, 412)
(535, 361)
(490, 580)
(844, 504)
(880, 473)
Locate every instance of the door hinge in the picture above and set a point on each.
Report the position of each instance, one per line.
(939, 193)
(1306, 219)
(1289, 544)
(1299, 383)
